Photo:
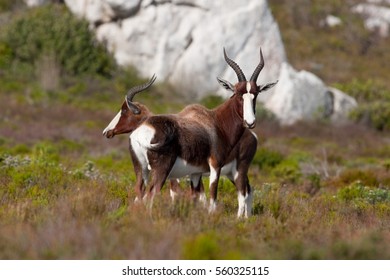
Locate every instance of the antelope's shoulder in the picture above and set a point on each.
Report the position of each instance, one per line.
(194, 110)
(198, 114)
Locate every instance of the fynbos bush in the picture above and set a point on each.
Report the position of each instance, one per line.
(51, 29)
(374, 100)
(359, 192)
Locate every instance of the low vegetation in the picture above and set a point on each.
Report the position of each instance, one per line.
(320, 191)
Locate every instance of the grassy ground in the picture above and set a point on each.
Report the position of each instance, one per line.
(320, 191)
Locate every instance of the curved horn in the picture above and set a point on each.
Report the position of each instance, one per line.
(134, 90)
(258, 69)
(236, 68)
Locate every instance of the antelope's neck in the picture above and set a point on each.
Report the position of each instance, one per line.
(230, 121)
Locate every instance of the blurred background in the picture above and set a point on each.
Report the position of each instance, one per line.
(321, 173)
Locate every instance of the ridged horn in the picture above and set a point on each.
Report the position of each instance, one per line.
(137, 89)
(258, 69)
(235, 67)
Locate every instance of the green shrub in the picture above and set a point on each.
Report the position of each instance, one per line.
(268, 200)
(53, 30)
(375, 114)
(366, 90)
(34, 178)
(288, 171)
(374, 102)
(202, 247)
(5, 55)
(266, 158)
(359, 193)
(210, 246)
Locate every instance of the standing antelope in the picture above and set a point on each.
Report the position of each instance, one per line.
(236, 167)
(196, 140)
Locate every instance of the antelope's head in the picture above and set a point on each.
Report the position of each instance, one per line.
(131, 115)
(246, 91)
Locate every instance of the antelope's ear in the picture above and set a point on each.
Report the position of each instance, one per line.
(134, 108)
(225, 84)
(266, 86)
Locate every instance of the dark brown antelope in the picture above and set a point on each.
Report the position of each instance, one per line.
(196, 140)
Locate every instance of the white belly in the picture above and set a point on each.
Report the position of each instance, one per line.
(182, 168)
(229, 170)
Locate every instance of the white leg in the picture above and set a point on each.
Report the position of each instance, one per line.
(241, 204)
(203, 199)
(248, 205)
(173, 195)
(213, 179)
(212, 206)
(244, 205)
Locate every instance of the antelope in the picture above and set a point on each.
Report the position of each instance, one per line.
(236, 168)
(130, 117)
(196, 140)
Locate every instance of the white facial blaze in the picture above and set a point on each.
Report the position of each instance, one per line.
(113, 123)
(249, 112)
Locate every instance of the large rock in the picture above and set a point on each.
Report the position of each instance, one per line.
(303, 96)
(182, 41)
(102, 11)
(342, 105)
(299, 96)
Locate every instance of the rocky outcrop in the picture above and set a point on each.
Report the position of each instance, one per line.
(103, 11)
(182, 41)
(376, 15)
(303, 96)
(298, 95)
(342, 105)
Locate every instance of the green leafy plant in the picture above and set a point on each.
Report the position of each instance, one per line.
(374, 102)
(53, 30)
(358, 192)
(288, 171)
(267, 159)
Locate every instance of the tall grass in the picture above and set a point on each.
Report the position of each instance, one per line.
(51, 208)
